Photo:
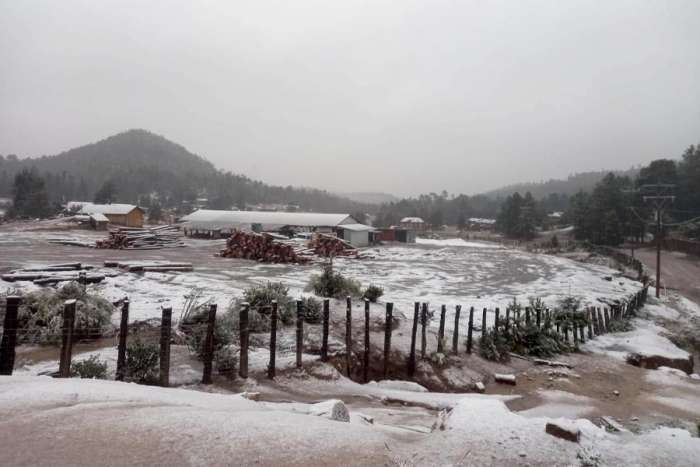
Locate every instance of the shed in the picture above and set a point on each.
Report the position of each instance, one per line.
(356, 235)
(128, 215)
(98, 221)
(206, 220)
(412, 223)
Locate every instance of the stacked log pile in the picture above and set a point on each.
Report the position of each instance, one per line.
(263, 247)
(327, 246)
(53, 274)
(129, 238)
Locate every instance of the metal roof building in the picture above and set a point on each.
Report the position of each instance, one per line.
(205, 219)
(121, 214)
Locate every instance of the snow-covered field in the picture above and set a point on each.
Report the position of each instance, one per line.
(451, 272)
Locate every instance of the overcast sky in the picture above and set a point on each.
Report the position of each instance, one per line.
(398, 96)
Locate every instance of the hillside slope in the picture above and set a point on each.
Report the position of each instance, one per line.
(139, 163)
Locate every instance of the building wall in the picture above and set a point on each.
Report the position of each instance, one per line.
(132, 219)
(357, 239)
(419, 226)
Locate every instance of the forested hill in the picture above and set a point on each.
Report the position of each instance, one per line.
(569, 186)
(140, 163)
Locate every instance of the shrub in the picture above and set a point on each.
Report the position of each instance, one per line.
(372, 293)
(41, 314)
(442, 356)
(312, 310)
(621, 325)
(492, 347)
(332, 284)
(142, 360)
(92, 368)
(226, 361)
(260, 299)
(223, 336)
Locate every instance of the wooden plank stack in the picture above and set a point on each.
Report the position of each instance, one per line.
(130, 238)
(327, 246)
(150, 266)
(264, 248)
(53, 274)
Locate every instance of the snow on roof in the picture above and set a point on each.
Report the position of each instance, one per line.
(412, 219)
(114, 209)
(99, 217)
(356, 227)
(208, 219)
(478, 220)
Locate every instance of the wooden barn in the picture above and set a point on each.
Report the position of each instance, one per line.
(127, 215)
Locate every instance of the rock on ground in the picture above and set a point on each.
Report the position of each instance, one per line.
(564, 430)
(333, 409)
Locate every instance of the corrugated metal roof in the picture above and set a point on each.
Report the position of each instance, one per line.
(356, 227)
(114, 209)
(412, 219)
(208, 219)
(99, 217)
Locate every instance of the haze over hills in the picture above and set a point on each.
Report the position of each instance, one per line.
(569, 186)
(371, 197)
(139, 163)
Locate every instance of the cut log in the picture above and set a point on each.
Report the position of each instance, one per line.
(505, 379)
(539, 361)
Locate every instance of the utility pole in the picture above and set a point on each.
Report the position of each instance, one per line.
(659, 197)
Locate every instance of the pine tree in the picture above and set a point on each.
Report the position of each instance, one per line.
(29, 195)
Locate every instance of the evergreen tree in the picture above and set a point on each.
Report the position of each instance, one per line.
(81, 193)
(29, 195)
(107, 194)
(155, 213)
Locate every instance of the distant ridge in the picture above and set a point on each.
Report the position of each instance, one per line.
(571, 185)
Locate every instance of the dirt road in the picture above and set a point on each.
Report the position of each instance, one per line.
(679, 271)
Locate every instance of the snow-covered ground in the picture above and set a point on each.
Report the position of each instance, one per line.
(451, 272)
(83, 422)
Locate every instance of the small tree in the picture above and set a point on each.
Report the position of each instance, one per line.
(461, 223)
(155, 213)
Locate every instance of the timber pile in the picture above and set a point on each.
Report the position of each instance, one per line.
(150, 266)
(263, 247)
(53, 274)
(327, 246)
(129, 238)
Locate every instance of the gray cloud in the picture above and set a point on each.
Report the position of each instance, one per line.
(406, 97)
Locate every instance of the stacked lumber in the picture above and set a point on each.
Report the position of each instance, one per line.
(55, 273)
(263, 247)
(327, 246)
(150, 266)
(131, 238)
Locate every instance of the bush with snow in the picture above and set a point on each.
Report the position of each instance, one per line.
(92, 368)
(142, 358)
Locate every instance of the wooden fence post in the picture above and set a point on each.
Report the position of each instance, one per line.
(121, 347)
(483, 323)
(348, 336)
(273, 341)
(575, 331)
(470, 330)
(300, 332)
(243, 338)
(495, 323)
(507, 318)
(365, 356)
(67, 338)
(601, 322)
(326, 321)
(590, 323)
(607, 319)
(9, 336)
(455, 331)
(582, 337)
(165, 330)
(387, 337)
(423, 330)
(527, 315)
(441, 329)
(209, 345)
(538, 318)
(414, 332)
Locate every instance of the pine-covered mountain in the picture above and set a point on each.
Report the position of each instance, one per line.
(370, 197)
(568, 186)
(139, 163)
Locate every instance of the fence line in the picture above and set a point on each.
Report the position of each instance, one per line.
(590, 318)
